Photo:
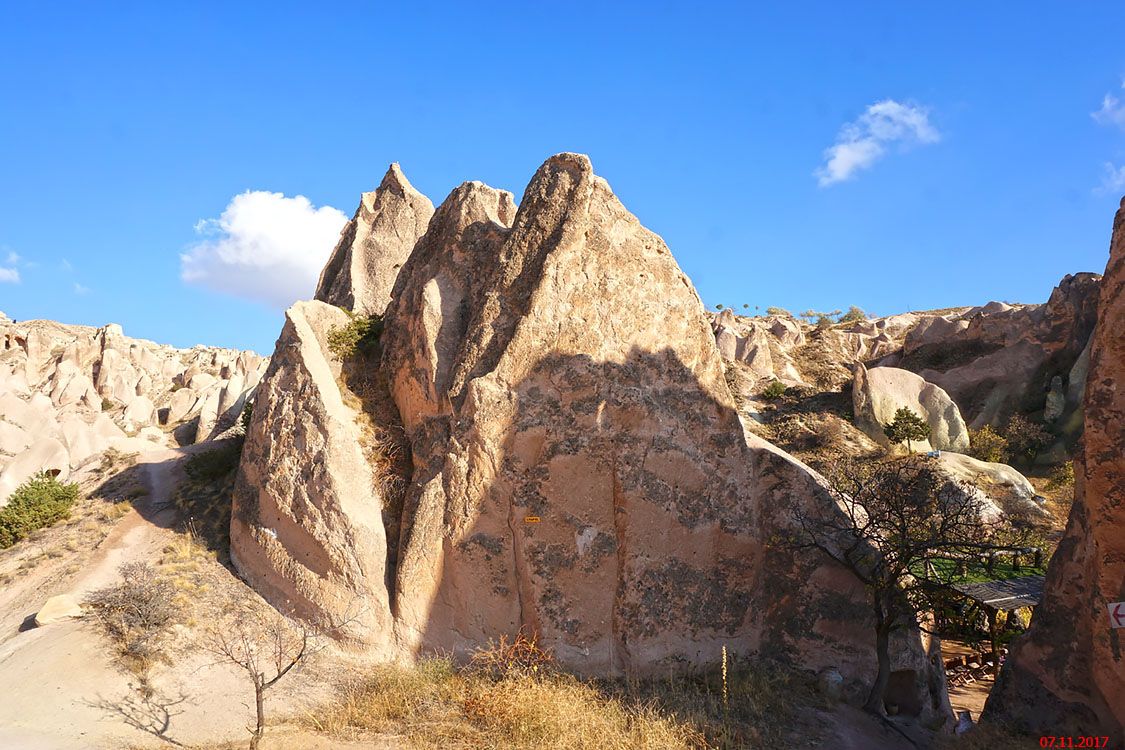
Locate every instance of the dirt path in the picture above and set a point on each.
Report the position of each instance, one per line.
(72, 694)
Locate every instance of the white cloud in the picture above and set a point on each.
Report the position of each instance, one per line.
(264, 247)
(13, 258)
(9, 275)
(1112, 111)
(863, 142)
(1114, 179)
(81, 290)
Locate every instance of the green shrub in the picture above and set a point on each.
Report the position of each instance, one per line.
(853, 315)
(247, 414)
(821, 319)
(987, 444)
(107, 405)
(778, 311)
(360, 335)
(1062, 476)
(36, 504)
(773, 391)
(214, 464)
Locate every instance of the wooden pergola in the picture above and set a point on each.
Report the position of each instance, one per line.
(1002, 596)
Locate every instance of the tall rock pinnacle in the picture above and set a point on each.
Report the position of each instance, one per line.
(362, 269)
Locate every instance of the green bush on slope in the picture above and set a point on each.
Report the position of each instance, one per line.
(37, 503)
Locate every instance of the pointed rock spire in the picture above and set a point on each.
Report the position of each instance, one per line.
(374, 245)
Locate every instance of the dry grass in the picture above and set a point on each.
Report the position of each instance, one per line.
(435, 705)
(510, 697)
(1060, 497)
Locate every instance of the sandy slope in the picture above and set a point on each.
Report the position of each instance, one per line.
(62, 688)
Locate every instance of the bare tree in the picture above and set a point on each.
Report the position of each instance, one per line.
(267, 646)
(891, 518)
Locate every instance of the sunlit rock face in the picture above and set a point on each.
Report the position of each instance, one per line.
(878, 393)
(1067, 674)
(576, 468)
(306, 527)
(362, 269)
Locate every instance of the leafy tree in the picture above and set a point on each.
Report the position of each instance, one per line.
(889, 519)
(853, 315)
(39, 502)
(778, 311)
(988, 445)
(821, 319)
(719, 306)
(1025, 438)
(907, 426)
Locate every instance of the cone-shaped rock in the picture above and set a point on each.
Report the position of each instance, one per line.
(373, 246)
(1066, 676)
(306, 525)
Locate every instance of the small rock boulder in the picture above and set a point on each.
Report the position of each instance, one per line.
(61, 607)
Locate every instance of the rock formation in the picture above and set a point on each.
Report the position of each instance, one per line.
(69, 392)
(1066, 676)
(576, 467)
(1002, 489)
(879, 392)
(307, 530)
(362, 268)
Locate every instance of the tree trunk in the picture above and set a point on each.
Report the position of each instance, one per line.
(874, 702)
(259, 701)
(994, 636)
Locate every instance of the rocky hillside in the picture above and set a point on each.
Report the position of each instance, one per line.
(537, 435)
(68, 392)
(992, 361)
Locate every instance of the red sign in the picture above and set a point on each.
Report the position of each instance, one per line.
(1117, 614)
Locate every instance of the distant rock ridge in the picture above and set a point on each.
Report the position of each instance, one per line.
(68, 392)
(575, 465)
(1066, 675)
(373, 246)
(993, 360)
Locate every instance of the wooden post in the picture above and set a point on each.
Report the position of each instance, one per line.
(1015, 561)
(989, 563)
(994, 634)
(1038, 557)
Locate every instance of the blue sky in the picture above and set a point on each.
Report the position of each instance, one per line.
(976, 167)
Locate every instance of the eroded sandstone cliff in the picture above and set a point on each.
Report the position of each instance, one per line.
(1066, 676)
